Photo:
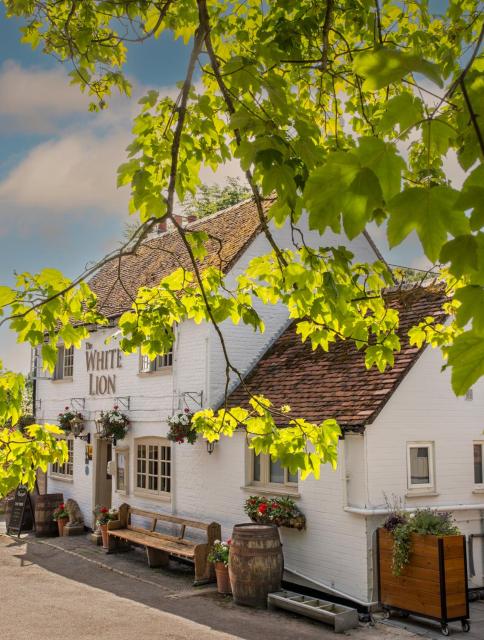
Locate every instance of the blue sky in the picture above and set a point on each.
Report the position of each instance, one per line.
(59, 205)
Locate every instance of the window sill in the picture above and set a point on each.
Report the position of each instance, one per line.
(159, 372)
(269, 491)
(419, 493)
(69, 479)
(146, 495)
(478, 490)
(60, 380)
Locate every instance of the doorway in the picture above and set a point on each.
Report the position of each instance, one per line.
(102, 479)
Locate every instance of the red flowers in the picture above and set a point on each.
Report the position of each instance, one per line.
(262, 508)
(103, 510)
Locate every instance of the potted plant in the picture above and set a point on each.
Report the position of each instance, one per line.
(112, 424)
(105, 515)
(279, 511)
(65, 418)
(422, 566)
(61, 516)
(181, 427)
(219, 555)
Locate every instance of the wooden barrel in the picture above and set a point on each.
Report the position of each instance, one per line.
(45, 505)
(256, 563)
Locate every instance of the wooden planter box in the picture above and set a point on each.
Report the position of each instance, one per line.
(434, 582)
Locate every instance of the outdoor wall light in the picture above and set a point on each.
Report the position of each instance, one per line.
(210, 447)
(77, 427)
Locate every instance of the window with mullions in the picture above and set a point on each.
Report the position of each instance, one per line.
(158, 364)
(65, 470)
(64, 367)
(153, 466)
(264, 472)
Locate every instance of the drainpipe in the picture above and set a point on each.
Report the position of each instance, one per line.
(383, 511)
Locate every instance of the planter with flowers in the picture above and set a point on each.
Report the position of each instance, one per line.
(422, 567)
(112, 424)
(279, 511)
(105, 515)
(219, 555)
(61, 516)
(66, 417)
(181, 428)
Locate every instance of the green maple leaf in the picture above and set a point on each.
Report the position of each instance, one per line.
(383, 66)
(431, 212)
(466, 357)
(472, 307)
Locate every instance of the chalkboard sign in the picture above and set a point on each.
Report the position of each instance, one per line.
(21, 510)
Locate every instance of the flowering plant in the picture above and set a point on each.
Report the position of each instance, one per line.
(105, 515)
(424, 522)
(220, 552)
(65, 418)
(181, 428)
(279, 511)
(60, 513)
(114, 424)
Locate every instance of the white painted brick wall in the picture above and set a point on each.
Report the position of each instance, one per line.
(333, 549)
(424, 408)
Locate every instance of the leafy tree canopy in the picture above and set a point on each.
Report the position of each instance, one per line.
(212, 198)
(346, 110)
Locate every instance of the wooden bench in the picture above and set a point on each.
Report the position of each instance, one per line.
(159, 546)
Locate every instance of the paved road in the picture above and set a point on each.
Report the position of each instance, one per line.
(51, 592)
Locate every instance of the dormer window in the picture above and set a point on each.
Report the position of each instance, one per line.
(160, 363)
(64, 367)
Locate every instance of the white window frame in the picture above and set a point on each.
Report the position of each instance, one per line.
(124, 451)
(64, 471)
(478, 485)
(427, 486)
(66, 357)
(265, 484)
(157, 494)
(158, 364)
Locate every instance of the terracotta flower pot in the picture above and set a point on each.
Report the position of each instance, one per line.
(61, 523)
(223, 580)
(104, 535)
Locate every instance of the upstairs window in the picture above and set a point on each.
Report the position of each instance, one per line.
(420, 466)
(479, 463)
(64, 367)
(160, 363)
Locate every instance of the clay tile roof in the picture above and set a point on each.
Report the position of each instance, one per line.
(319, 385)
(230, 231)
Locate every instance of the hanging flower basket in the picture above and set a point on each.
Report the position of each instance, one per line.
(112, 424)
(279, 511)
(181, 429)
(66, 417)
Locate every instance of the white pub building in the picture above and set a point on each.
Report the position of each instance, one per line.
(405, 433)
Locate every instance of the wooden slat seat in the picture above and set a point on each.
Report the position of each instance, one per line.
(176, 548)
(159, 546)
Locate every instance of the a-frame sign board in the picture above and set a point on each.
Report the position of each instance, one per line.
(22, 506)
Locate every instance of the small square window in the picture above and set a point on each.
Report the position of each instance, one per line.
(267, 473)
(420, 465)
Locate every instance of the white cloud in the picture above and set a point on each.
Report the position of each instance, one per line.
(34, 100)
(76, 171)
